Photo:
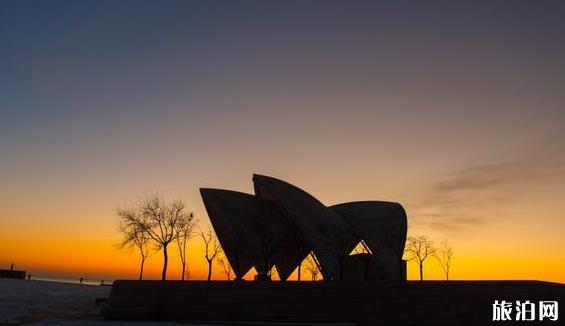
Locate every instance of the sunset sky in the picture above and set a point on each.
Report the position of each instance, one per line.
(457, 111)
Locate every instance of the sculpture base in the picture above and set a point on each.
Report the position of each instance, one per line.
(350, 302)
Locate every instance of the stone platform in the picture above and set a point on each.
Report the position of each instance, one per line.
(8, 273)
(348, 302)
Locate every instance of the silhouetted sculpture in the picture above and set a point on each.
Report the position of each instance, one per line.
(282, 224)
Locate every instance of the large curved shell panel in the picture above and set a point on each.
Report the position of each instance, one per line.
(251, 230)
(383, 226)
(321, 229)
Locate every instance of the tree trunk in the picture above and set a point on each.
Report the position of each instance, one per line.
(400, 273)
(165, 261)
(209, 269)
(183, 270)
(237, 267)
(421, 271)
(365, 268)
(141, 269)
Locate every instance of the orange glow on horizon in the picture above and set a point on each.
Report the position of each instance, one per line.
(100, 259)
(454, 111)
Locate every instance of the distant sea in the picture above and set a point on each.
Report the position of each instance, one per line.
(71, 280)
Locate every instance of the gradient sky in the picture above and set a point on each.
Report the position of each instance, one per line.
(455, 110)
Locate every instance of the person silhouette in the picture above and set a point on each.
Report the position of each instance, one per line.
(29, 276)
(12, 267)
(81, 280)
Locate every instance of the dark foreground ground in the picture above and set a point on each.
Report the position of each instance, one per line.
(33, 302)
(346, 303)
(28, 301)
(250, 303)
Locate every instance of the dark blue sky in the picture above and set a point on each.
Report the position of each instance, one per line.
(452, 83)
(101, 101)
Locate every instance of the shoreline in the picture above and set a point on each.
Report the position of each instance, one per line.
(28, 301)
(92, 282)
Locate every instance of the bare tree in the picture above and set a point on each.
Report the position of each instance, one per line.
(312, 267)
(159, 219)
(184, 231)
(420, 248)
(300, 252)
(272, 272)
(133, 236)
(360, 249)
(339, 248)
(211, 249)
(226, 267)
(444, 255)
(270, 244)
(187, 273)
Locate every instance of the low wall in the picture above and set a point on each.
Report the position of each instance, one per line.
(350, 302)
(6, 273)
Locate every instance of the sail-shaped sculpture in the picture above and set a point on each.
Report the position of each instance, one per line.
(281, 224)
(382, 226)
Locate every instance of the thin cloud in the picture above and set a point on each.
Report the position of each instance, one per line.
(474, 196)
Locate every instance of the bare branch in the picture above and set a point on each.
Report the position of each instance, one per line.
(444, 255)
(211, 248)
(419, 248)
(226, 267)
(158, 221)
(312, 267)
